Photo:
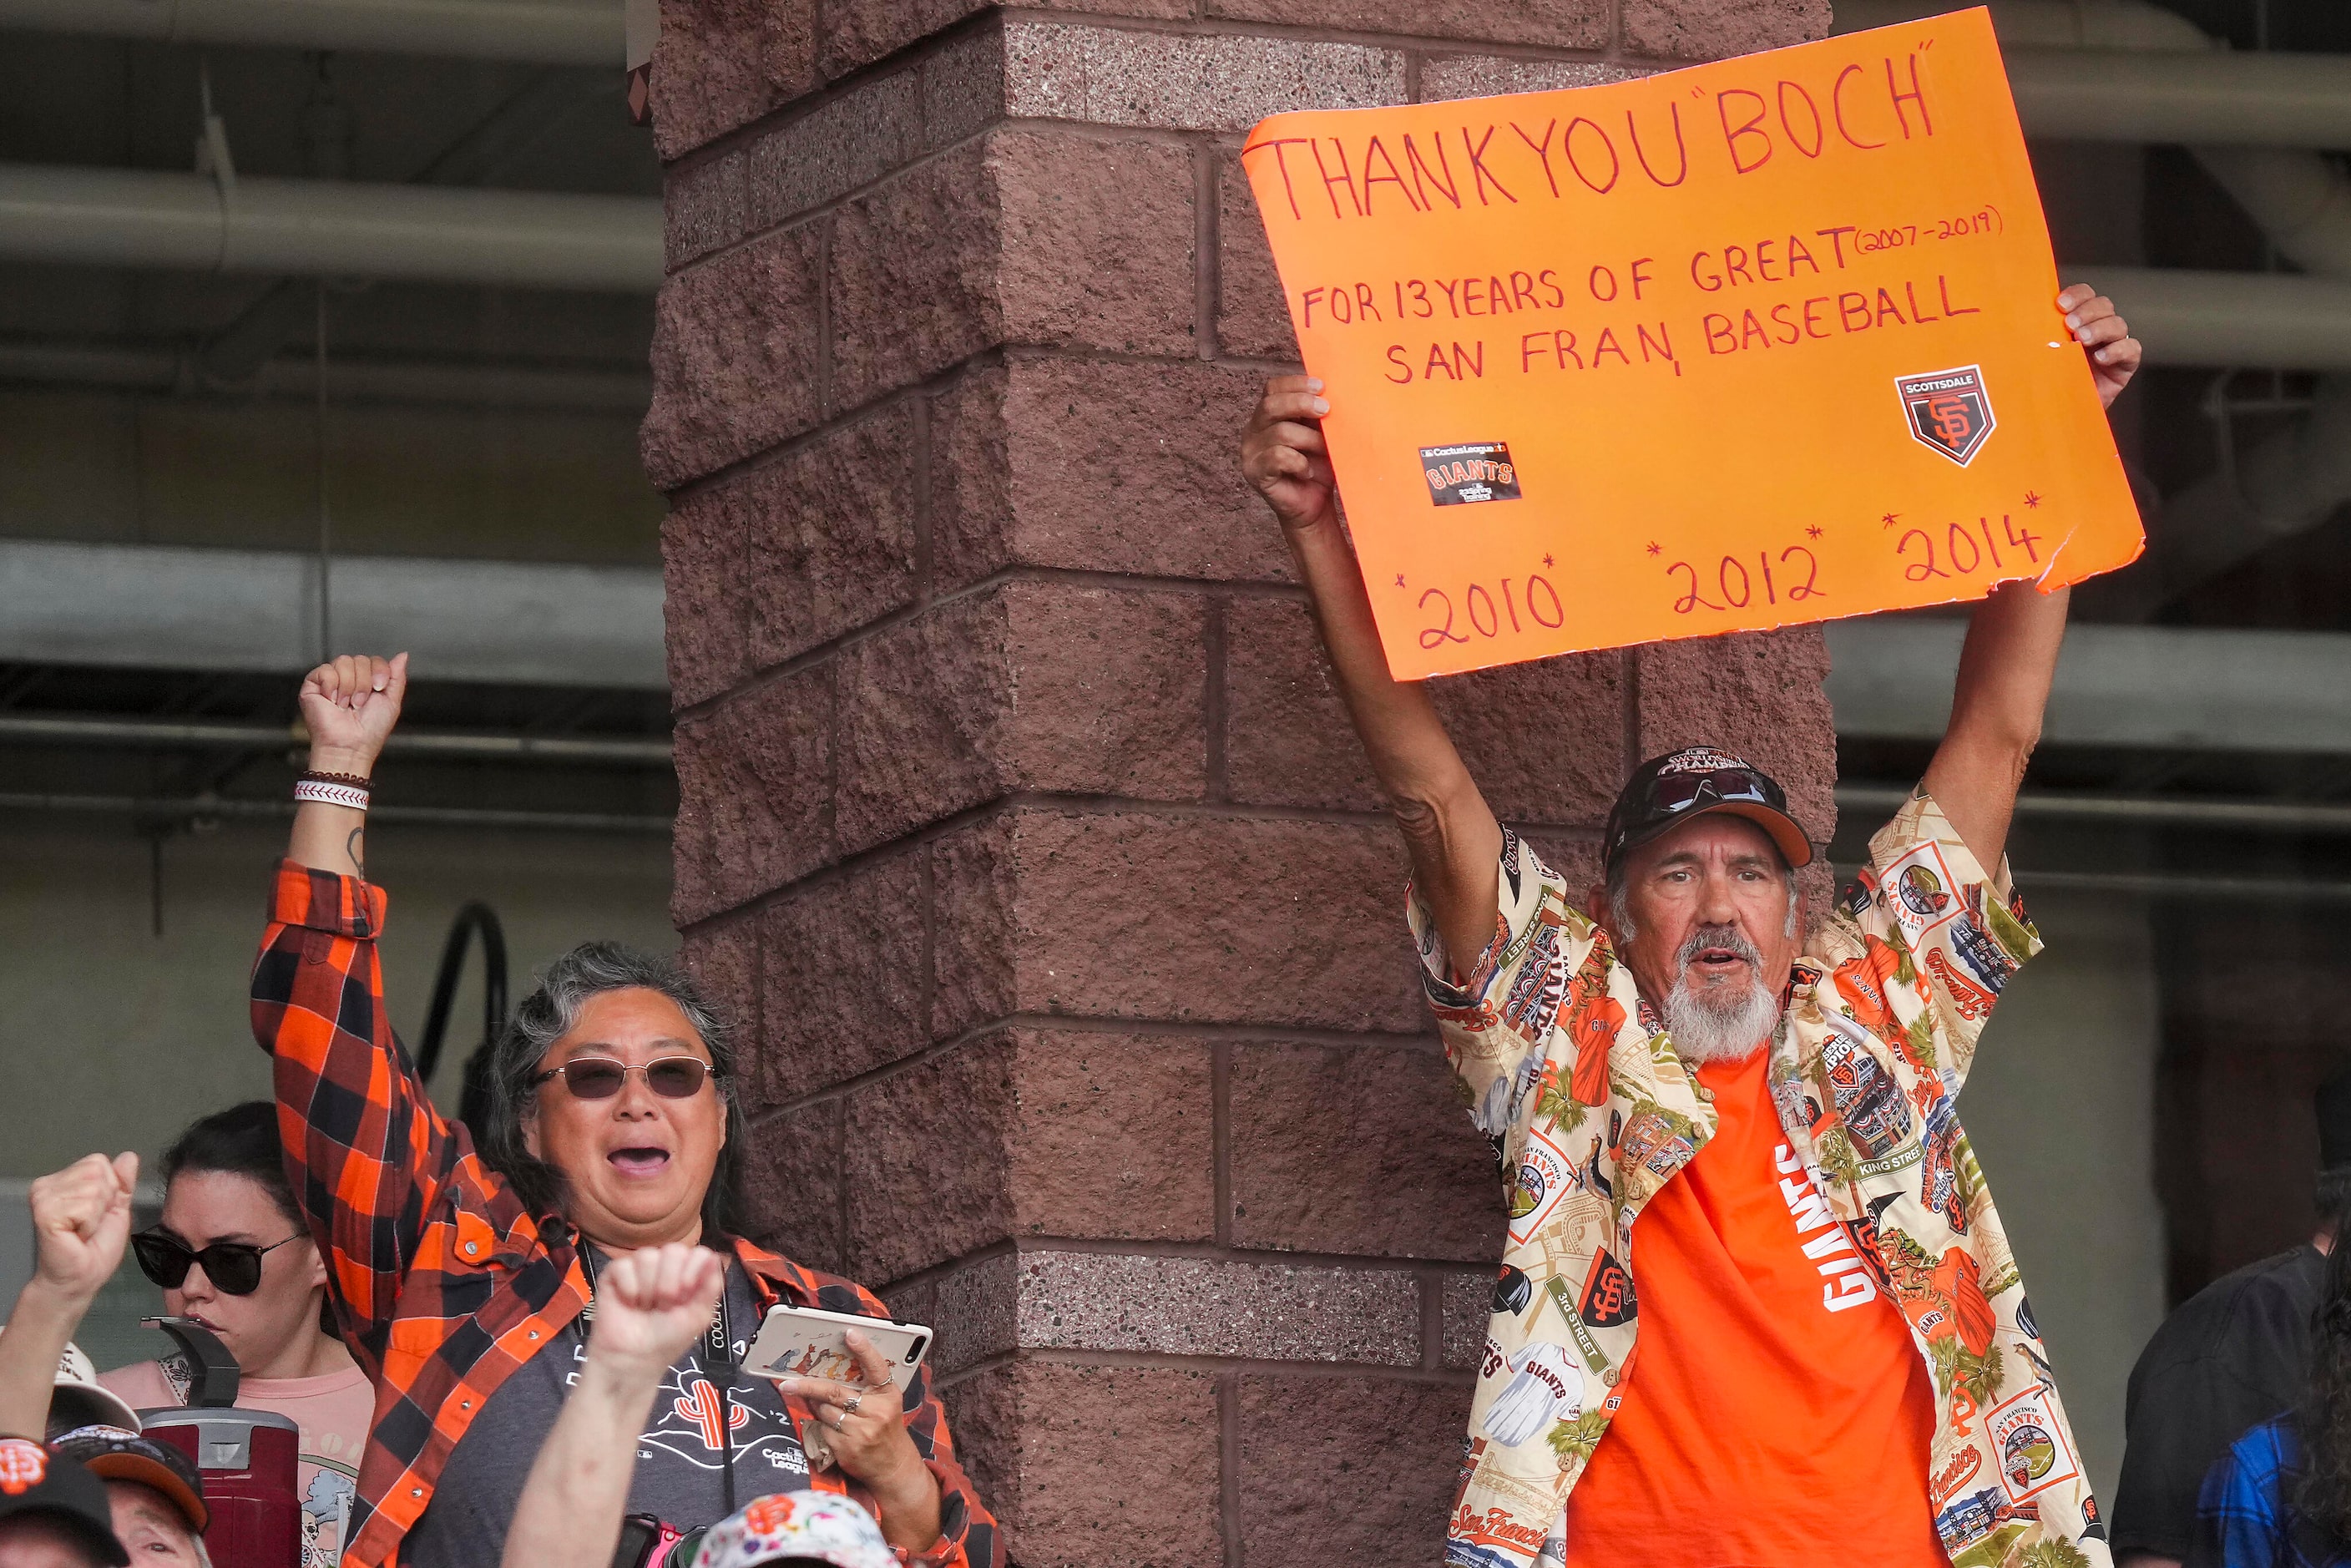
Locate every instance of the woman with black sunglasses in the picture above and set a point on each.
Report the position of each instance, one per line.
(463, 1260)
(232, 1252)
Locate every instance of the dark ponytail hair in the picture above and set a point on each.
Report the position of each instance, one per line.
(240, 1141)
(2320, 1493)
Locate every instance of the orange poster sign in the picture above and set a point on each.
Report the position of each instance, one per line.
(1762, 341)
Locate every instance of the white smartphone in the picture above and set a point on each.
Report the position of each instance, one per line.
(805, 1341)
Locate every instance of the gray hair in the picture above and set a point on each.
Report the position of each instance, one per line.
(510, 1095)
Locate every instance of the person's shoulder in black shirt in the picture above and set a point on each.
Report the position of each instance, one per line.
(2234, 1355)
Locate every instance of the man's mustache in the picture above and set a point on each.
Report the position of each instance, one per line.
(1730, 938)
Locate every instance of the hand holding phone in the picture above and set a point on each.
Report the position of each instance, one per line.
(805, 1342)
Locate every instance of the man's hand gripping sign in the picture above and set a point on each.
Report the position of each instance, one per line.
(1763, 342)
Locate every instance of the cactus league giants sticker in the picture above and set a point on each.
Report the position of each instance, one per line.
(1463, 476)
(1950, 411)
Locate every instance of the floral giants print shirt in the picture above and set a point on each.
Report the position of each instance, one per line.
(1592, 1115)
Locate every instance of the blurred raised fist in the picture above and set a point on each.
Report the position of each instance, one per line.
(351, 705)
(653, 1303)
(81, 1220)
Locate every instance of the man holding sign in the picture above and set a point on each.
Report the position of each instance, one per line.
(1839, 1362)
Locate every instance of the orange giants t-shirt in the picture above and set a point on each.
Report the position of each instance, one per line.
(1776, 1413)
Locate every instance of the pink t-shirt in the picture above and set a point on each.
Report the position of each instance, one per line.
(333, 1412)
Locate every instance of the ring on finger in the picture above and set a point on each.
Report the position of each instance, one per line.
(854, 1401)
(838, 1423)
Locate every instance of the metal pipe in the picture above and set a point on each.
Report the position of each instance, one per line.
(524, 31)
(327, 228)
(2241, 320)
(419, 816)
(195, 735)
(2283, 818)
(173, 608)
(2205, 99)
(426, 383)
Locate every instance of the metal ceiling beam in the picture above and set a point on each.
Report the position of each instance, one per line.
(426, 382)
(2171, 688)
(330, 228)
(447, 745)
(529, 31)
(183, 811)
(157, 607)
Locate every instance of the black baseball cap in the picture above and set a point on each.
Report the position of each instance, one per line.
(33, 1481)
(112, 1454)
(1696, 782)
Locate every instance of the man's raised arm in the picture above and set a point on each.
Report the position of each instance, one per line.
(2010, 653)
(1455, 842)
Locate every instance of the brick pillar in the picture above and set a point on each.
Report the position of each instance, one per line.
(1018, 818)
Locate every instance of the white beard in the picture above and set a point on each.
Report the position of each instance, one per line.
(1709, 1025)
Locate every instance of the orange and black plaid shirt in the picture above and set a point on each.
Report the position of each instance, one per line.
(443, 1281)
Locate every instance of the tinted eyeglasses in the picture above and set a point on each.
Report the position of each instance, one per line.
(233, 1267)
(601, 1077)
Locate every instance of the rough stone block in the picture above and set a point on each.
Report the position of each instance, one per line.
(1094, 1465)
(963, 88)
(1031, 685)
(923, 1161)
(846, 960)
(703, 551)
(841, 143)
(1465, 1302)
(703, 209)
(832, 533)
(736, 358)
(1158, 446)
(1113, 1137)
(1562, 24)
(1491, 76)
(791, 1189)
(1201, 1306)
(1288, 741)
(1346, 1470)
(1758, 694)
(720, 64)
(913, 282)
(859, 32)
(1252, 318)
(1176, 81)
(1717, 29)
(978, 1308)
(1136, 916)
(753, 808)
(724, 961)
(1097, 238)
(1544, 740)
(1361, 1149)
